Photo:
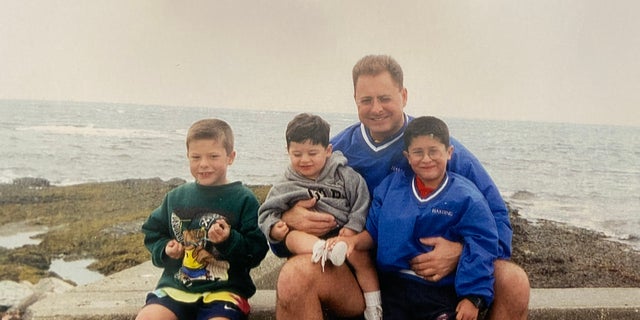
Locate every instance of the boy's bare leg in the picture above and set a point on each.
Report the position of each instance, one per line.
(155, 312)
(299, 242)
(365, 270)
(511, 300)
(303, 289)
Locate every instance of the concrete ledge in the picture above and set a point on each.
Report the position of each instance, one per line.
(585, 303)
(120, 306)
(120, 296)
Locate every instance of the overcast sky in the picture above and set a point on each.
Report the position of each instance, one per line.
(542, 60)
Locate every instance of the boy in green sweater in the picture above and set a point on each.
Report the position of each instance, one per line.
(205, 235)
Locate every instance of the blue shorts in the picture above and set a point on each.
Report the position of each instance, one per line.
(198, 310)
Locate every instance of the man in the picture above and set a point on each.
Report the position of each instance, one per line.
(374, 147)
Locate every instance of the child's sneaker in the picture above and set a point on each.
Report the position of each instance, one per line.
(318, 251)
(373, 313)
(338, 253)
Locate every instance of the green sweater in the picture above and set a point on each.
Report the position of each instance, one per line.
(195, 207)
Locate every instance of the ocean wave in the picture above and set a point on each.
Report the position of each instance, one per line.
(523, 195)
(90, 130)
(629, 237)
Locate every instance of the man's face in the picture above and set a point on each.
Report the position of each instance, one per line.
(380, 104)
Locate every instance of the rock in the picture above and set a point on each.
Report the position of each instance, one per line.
(124, 228)
(52, 285)
(13, 293)
(12, 315)
(16, 297)
(31, 182)
(174, 182)
(29, 255)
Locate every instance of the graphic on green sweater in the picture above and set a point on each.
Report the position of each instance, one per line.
(201, 260)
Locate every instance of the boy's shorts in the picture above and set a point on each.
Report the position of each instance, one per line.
(403, 298)
(200, 310)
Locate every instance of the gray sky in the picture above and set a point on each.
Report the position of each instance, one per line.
(543, 60)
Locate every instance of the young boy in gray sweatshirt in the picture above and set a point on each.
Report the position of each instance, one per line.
(322, 178)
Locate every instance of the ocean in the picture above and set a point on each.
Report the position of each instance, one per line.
(582, 175)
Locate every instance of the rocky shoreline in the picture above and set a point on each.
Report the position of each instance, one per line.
(102, 220)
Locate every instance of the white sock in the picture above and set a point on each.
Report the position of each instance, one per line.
(372, 298)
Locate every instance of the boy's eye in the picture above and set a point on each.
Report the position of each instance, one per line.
(417, 153)
(435, 153)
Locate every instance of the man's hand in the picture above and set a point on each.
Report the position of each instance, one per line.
(439, 262)
(300, 217)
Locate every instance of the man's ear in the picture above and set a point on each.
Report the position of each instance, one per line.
(405, 96)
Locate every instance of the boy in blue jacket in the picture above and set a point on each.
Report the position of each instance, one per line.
(428, 201)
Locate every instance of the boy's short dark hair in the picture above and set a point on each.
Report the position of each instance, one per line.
(214, 129)
(310, 127)
(426, 126)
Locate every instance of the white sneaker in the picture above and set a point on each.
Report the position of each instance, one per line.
(318, 251)
(338, 253)
(373, 313)
(324, 257)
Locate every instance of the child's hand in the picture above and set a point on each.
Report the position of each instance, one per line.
(351, 244)
(360, 241)
(466, 310)
(346, 232)
(174, 249)
(279, 230)
(219, 231)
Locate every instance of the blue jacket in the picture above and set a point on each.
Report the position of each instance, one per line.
(456, 210)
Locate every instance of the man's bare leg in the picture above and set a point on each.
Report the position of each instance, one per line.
(303, 289)
(511, 300)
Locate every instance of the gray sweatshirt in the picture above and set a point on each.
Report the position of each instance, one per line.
(339, 190)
